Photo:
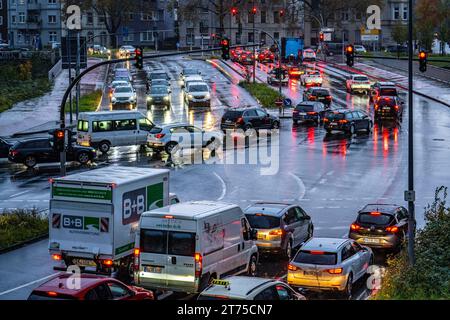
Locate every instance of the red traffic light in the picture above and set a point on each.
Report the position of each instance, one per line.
(234, 11)
(281, 12)
(137, 51)
(321, 36)
(422, 55)
(59, 134)
(254, 10)
(349, 49)
(224, 42)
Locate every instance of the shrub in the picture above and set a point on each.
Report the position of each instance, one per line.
(264, 94)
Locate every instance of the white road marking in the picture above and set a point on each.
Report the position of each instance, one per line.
(301, 186)
(18, 194)
(322, 181)
(224, 187)
(26, 285)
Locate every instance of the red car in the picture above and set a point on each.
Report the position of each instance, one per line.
(91, 287)
(266, 56)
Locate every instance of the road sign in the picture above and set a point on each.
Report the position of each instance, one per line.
(369, 37)
(324, 30)
(287, 102)
(326, 36)
(202, 37)
(73, 52)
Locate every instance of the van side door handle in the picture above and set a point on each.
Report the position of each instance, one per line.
(174, 260)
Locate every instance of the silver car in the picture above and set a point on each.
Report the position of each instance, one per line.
(329, 264)
(159, 96)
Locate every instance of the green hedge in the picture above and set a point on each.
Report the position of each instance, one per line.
(88, 102)
(12, 92)
(264, 94)
(21, 225)
(430, 276)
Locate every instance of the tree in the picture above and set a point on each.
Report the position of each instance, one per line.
(443, 26)
(400, 33)
(427, 16)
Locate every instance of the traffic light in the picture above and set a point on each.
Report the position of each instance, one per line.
(423, 61)
(58, 139)
(321, 37)
(253, 10)
(234, 11)
(139, 59)
(350, 55)
(282, 13)
(71, 137)
(225, 44)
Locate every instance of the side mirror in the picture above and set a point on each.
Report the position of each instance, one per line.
(253, 234)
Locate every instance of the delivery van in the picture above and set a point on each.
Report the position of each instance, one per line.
(183, 247)
(94, 215)
(105, 129)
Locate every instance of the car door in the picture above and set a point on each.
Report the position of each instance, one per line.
(364, 258)
(351, 260)
(293, 225)
(246, 244)
(252, 117)
(264, 118)
(357, 121)
(303, 227)
(144, 128)
(44, 151)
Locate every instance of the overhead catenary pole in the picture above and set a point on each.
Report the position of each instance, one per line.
(77, 73)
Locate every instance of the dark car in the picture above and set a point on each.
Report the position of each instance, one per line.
(4, 148)
(385, 89)
(388, 108)
(91, 287)
(308, 111)
(33, 151)
(296, 71)
(276, 75)
(248, 118)
(347, 120)
(380, 226)
(281, 226)
(157, 75)
(246, 58)
(318, 94)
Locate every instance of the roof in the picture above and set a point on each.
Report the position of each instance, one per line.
(191, 209)
(386, 83)
(240, 287)
(268, 208)
(158, 71)
(324, 244)
(380, 207)
(110, 113)
(58, 283)
(174, 124)
(113, 174)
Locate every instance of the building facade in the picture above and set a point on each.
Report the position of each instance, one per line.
(34, 23)
(3, 21)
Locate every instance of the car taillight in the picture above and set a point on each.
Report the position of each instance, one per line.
(312, 98)
(159, 135)
(376, 107)
(396, 107)
(392, 229)
(107, 262)
(240, 120)
(335, 271)
(52, 293)
(14, 152)
(276, 232)
(343, 121)
(328, 97)
(56, 257)
(292, 267)
(355, 226)
(198, 265)
(325, 120)
(137, 256)
(312, 113)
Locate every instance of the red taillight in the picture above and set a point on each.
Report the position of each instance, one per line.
(277, 232)
(159, 135)
(335, 271)
(291, 267)
(355, 226)
(325, 120)
(198, 265)
(392, 229)
(396, 107)
(240, 120)
(343, 121)
(52, 293)
(56, 257)
(244, 56)
(328, 97)
(312, 97)
(107, 262)
(14, 153)
(168, 217)
(375, 213)
(312, 113)
(137, 256)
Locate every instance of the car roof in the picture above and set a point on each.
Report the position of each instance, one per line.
(192, 82)
(242, 109)
(380, 207)
(324, 244)
(269, 208)
(58, 283)
(191, 209)
(239, 287)
(33, 139)
(307, 103)
(174, 124)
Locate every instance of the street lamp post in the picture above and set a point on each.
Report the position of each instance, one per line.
(254, 41)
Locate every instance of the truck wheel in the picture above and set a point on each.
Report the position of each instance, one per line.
(30, 161)
(104, 146)
(252, 266)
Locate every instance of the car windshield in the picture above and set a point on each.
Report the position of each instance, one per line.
(123, 90)
(198, 88)
(316, 257)
(190, 72)
(361, 78)
(377, 219)
(261, 221)
(159, 90)
(163, 82)
(335, 116)
(304, 107)
(156, 130)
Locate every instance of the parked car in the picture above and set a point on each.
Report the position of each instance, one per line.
(249, 288)
(173, 136)
(318, 94)
(309, 111)
(347, 121)
(382, 226)
(124, 96)
(159, 96)
(327, 264)
(197, 94)
(388, 108)
(281, 227)
(359, 48)
(4, 148)
(91, 287)
(248, 118)
(30, 152)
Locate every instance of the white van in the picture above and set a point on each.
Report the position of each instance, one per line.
(182, 247)
(106, 129)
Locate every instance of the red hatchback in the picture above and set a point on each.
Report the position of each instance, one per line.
(89, 287)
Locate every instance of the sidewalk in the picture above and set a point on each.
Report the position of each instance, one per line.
(44, 111)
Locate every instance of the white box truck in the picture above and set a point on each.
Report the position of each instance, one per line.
(182, 247)
(94, 214)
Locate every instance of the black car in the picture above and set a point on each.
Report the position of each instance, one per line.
(380, 226)
(347, 120)
(318, 94)
(388, 108)
(4, 148)
(277, 75)
(33, 151)
(157, 75)
(248, 118)
(385, 89)
(308, 111)
(281, 226)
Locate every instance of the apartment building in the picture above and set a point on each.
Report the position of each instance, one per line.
(3, 21)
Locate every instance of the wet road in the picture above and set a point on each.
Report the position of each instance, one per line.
(331, 176)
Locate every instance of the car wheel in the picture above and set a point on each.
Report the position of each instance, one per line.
(171, 147)
(30, 161)
(288, 251)
(347, 293)
(352, 130)
(276, 125)
(252, 266)
(83, 157)
(104, 146)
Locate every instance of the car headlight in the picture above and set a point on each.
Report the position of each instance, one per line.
(190, 96)
(149, 98)
(113, 99)
(208, 96)
(166, 98)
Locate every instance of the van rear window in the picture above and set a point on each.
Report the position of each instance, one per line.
(168, 242)
(322, 258)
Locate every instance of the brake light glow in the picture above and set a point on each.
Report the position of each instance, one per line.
(312, 98)
(328, 97)
(56, 257)
(198, 264)
(240, 120)
(291, 267)
(316, 252)
(137, 251)
(159, 135)
(325, 120)
(168, 217)
(375, 213)
(14, 153)
(335, 271)
(343, 121)
(107, 262)
(276, 232)
(52, 293)
(312, 113)
(376, 107)
(396, 107)
(392, 229)
(355, 226)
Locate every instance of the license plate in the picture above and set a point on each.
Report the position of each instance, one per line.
(84, 263)
(310, 273)
(302, 113)
(228, 121)
(333, 123)
(153, 269)
(322, 98)
(371, 240)
(386, 108)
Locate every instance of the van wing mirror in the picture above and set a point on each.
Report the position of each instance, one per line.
(253, 234)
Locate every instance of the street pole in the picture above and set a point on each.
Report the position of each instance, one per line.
(254, 42)
(410, 194)
(70, 71)
(77, 73)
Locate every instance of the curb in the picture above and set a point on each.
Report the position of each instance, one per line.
(23, 243)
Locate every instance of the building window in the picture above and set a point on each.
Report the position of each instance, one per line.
(131, 16)
(276, 17)
(13, 19)
(238, 38)
(190, 36)
(147, 16)
(405, 12)
(263, 17)
(51, 19)
(251, 18)
(345, 16)
(129, 37)
(90, 18)
(21, 1)
(396, 12)
(276, 35)
(20, 37)
(51, 1)
(101, 19)
(204, 28)
(147, 36)
(161, 15)
(21, 17)
(262, 38)
(52, 36)
(251, 37)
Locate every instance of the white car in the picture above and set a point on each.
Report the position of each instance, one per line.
(359, 48)
(124, 95)
(311, 78)
(309, 55)
(174, 136)
(126, 51)
(197, 94)
(249, 288)
(191, 78)
(358, 83)
(115, 84)
(329, 264)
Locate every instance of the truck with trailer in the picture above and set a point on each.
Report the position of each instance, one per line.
(291, 49)
(94, 215)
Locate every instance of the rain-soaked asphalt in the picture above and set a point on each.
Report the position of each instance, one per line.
(331, 176)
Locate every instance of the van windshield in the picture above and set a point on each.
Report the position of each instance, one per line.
(167, 242)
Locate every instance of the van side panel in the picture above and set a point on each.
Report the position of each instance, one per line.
(212, 242)
(232, 242)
